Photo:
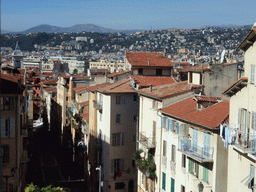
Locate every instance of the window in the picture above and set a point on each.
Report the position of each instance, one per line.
(182, 188)
(164, 148)
(135, 117)
(100, 116)
(117, 139)
(134, 98)
(7, 127)
(253, 124)
(154, 104)
(172, 185)
(164, 119)
(183, 161)
(118, 118)
(120, 99)
(7, 103)
(164, 181)
(117, 165)
(6, 153)
(193, 168)
(173, 153)
(205, 173)
(252, 74)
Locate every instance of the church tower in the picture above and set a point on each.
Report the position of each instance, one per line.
(17, 57)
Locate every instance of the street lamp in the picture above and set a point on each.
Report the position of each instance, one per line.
(99, 169)
(7, 177)
(200, 187)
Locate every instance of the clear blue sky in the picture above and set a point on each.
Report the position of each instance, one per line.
(118, 14)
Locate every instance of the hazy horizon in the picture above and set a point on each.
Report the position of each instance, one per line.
(122, 15)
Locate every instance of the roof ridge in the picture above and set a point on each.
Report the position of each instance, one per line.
(125, 81)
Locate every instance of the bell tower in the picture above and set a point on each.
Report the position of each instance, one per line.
(17, 57)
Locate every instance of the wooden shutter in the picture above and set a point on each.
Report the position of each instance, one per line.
(2, 123)
(252, 74)
(172, 185)
(253, 127)
(123, 99)
(189, 166)
(163, 181)
(206, 144)
(162, 121)
(176, 127)
(12, 127)
(205, 174)
(239, 119)
(196, 169)
(167, 123)
(12, 103)
(122, 164)
(170, 122)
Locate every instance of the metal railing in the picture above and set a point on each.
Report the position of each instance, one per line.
(244, 141)
(148, 142)
(202, 154)
(97, 104)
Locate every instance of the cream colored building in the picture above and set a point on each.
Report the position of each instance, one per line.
(117, 111)
(110, 65)
(192, 152)
(149, 133)
(241, 159)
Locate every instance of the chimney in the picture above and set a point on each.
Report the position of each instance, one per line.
(150, 87)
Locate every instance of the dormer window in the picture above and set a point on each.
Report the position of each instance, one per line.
(199, 106)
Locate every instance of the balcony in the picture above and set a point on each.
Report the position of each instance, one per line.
(200, 154)
(146, 141)
(97, 104)
(245, 143)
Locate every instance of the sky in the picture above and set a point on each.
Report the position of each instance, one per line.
(18, 15)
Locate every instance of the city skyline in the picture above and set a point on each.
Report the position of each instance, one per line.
(143, 15)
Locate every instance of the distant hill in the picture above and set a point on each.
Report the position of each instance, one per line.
(75, 29)
(95, 28)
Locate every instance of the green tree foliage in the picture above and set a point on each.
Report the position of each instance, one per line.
(34, 188)
(75, 71)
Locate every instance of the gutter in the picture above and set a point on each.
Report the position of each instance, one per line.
(192, 123)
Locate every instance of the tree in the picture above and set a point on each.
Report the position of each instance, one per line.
(75, 71)
(34, 188)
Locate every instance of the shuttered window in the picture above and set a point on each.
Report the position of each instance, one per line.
(176, 127)
(117, 165)
(6, 155)
(167, 123)
(163, 121)
(206, 144)
(170, 126)
(252, 78)
(164, 148)
(117, 139)
(254, 121)
(172, 185)
(205, 174)
(164, 181)
(7, 127)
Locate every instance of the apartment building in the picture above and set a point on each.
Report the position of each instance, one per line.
(14, 131)
(110, 65)
(117, 117)
(92, 142)
(148, 64)
(193, 155)
(149, 132)
(241, 150)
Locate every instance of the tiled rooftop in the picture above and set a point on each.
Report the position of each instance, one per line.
(123, 86)
(92, 88)
(81, 88)
(52, 89)
(210, 117)
(169, 90)
(145, 81)
(148, 59)
(118, 73)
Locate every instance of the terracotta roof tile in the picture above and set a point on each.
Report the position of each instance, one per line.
(123, 86)
(169, 90)
(145, 81)
(92, 88)
(81, 88)
(52, 89)
(84, 103)
(118, 73)
(50, 82)
(148, 59)
(85, 116)
(210, 117)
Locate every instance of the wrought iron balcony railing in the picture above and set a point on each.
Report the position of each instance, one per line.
(148, 142)
(200, 154)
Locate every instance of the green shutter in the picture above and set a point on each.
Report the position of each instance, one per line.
(189, 166)
(196, 168)
(172, 185)
(163, 181)
(205, 174)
